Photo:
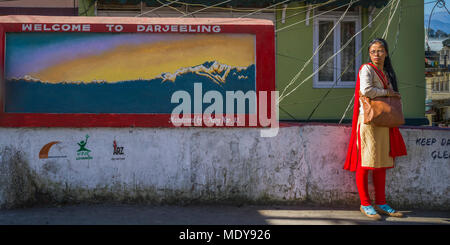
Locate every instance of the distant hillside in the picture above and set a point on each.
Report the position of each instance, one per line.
(439, 21)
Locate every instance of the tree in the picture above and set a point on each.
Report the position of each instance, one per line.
(440, 33)
(431, 32)
(446, 42)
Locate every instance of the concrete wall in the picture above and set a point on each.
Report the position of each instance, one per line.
(198, 165)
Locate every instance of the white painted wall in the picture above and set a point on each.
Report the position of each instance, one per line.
(185, 165)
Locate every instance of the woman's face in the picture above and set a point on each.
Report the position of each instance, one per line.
(377, 53)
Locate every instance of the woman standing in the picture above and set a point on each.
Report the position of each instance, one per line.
(374, 148)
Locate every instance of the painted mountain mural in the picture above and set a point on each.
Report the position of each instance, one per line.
(121, 73)
(29, 95)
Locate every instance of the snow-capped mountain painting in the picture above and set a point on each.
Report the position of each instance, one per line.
(134, 96)
(121, 73)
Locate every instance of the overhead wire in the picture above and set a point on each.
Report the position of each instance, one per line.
(412, 85)
(315, 52)
(397, 35)
(318, 5)
(288, 17)
(353, 97)
(384, 36)
(313, 6)
(429, 2)
(171, 7)
(446, 8)
(316, 99)
(396, 41)
(326, 94)
(346, 110)
(285, 111)
(167, 4)
(381, 11)
(391, 15)
(335, 83)
(152, 10)
(299, 22)
(205, 8)
(257, 11)
(241, 9)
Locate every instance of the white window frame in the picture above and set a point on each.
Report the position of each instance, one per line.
(334, 16)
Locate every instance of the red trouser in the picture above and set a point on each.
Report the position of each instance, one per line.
(379, 181)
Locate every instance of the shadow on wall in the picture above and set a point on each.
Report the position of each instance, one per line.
(20, 186)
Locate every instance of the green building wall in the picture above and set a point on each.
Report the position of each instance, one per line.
(294, 46)
(86, 7)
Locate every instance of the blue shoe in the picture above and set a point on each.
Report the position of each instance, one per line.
(370, 212)
(387, 210)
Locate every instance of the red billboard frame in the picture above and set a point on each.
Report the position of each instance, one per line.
(265, 62)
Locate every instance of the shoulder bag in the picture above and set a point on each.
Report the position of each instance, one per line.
(383, 111)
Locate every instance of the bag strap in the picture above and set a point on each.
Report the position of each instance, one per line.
(380, 76)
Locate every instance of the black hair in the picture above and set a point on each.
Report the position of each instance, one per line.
(387, 62)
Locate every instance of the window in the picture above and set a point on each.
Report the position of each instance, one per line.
(444, 86)
(439, 85)
(347, 61)
(435, 87)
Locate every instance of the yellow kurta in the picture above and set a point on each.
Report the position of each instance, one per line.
(374, 145)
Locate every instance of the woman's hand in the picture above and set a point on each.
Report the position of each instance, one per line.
(391, 92)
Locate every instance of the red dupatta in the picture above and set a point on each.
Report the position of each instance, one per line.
(397, 145)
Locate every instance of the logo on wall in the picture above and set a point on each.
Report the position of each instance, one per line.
(118, 151)
(43, 153)
(83, 152)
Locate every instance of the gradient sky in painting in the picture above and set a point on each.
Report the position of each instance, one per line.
(57, 57)
(31, 52)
